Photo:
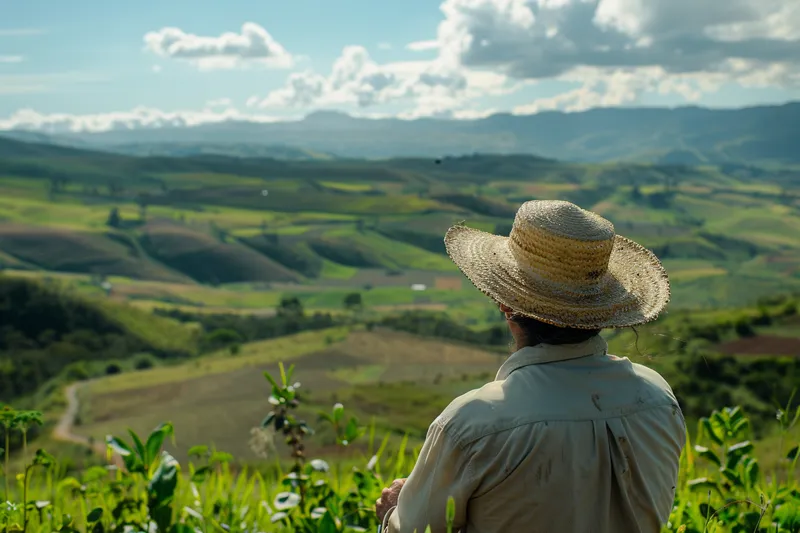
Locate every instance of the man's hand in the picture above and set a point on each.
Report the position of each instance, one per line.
(388, 498)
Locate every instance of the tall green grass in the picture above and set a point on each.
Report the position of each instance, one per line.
(722, 488)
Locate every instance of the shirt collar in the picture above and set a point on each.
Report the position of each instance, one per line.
(549, 353)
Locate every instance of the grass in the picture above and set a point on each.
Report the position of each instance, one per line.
(252, 354)
(747, 492)
(337, 364)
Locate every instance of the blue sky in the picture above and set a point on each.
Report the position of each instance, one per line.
(98, 65)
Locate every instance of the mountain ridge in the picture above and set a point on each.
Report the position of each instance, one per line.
(680, 135)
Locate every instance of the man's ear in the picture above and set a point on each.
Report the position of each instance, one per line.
(506, 310)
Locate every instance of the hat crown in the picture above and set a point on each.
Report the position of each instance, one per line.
(562, 243)
(564, 219)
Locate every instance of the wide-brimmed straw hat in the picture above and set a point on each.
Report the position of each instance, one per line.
(564, 266)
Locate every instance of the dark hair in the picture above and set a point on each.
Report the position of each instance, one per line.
(537, 332)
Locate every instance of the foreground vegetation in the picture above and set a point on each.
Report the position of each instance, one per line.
(722, 487)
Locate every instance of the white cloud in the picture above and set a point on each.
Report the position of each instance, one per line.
(20, 32)
(356, 80)
(140, 117)
(421, 46)
(620, 49)
(10, 59)
(384, 46)
(253, 46)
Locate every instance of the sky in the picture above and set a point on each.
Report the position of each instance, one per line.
(91, 65)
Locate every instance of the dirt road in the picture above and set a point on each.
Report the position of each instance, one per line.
(64, 430)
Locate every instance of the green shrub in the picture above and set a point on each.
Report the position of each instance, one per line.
(722, 486)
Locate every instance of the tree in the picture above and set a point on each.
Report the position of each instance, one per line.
(290, 308)
(114, 219)
(353, 302)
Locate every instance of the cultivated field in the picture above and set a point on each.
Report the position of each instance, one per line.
(236, 234)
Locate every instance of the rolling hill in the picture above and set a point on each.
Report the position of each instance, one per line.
(199, 225)
(686, 135)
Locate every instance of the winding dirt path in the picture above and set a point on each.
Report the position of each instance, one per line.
(64, 430)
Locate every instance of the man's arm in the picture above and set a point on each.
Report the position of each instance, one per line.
(442, 470)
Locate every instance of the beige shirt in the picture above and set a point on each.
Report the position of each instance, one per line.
(567, 439)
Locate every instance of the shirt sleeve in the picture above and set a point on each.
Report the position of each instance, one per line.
(442, 470)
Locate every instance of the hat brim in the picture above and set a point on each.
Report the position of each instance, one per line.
(634, 290)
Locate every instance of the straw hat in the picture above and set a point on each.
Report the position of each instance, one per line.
(564, 266)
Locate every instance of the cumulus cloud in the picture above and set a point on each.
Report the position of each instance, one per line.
(357, 80)
(139, 117)
(536, 39)
(619, 49)
(10, 59)
(253, 45)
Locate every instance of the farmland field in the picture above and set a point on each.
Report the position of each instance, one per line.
(318, 228)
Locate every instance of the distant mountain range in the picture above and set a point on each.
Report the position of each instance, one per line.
(687, 135)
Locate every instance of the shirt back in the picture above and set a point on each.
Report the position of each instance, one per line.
(566, 439)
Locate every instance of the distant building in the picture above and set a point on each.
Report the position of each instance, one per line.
(418, 287)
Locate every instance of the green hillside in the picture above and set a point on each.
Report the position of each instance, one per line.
(46, 329)
(199, 224)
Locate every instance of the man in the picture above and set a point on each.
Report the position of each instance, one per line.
(567, 439)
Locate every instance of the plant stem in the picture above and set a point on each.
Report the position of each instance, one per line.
(5, 471)
(24, 444)
(25, 500)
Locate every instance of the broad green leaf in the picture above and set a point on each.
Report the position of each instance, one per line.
(138, 446)
(95, 514)
(740, 426)
(327, 524)
(268, 420)
(42, 458)
(707, 454)
(711, 431)
(220, 457)
(286, 500)
(165, 479)
(156, 440)
(198, 451)
(792, 455)
(741, 447)
(702, 484)
(733, 477)
(752, 471)
(201, 474)
(118, 445)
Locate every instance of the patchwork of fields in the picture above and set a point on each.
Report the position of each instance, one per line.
(236, 234)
